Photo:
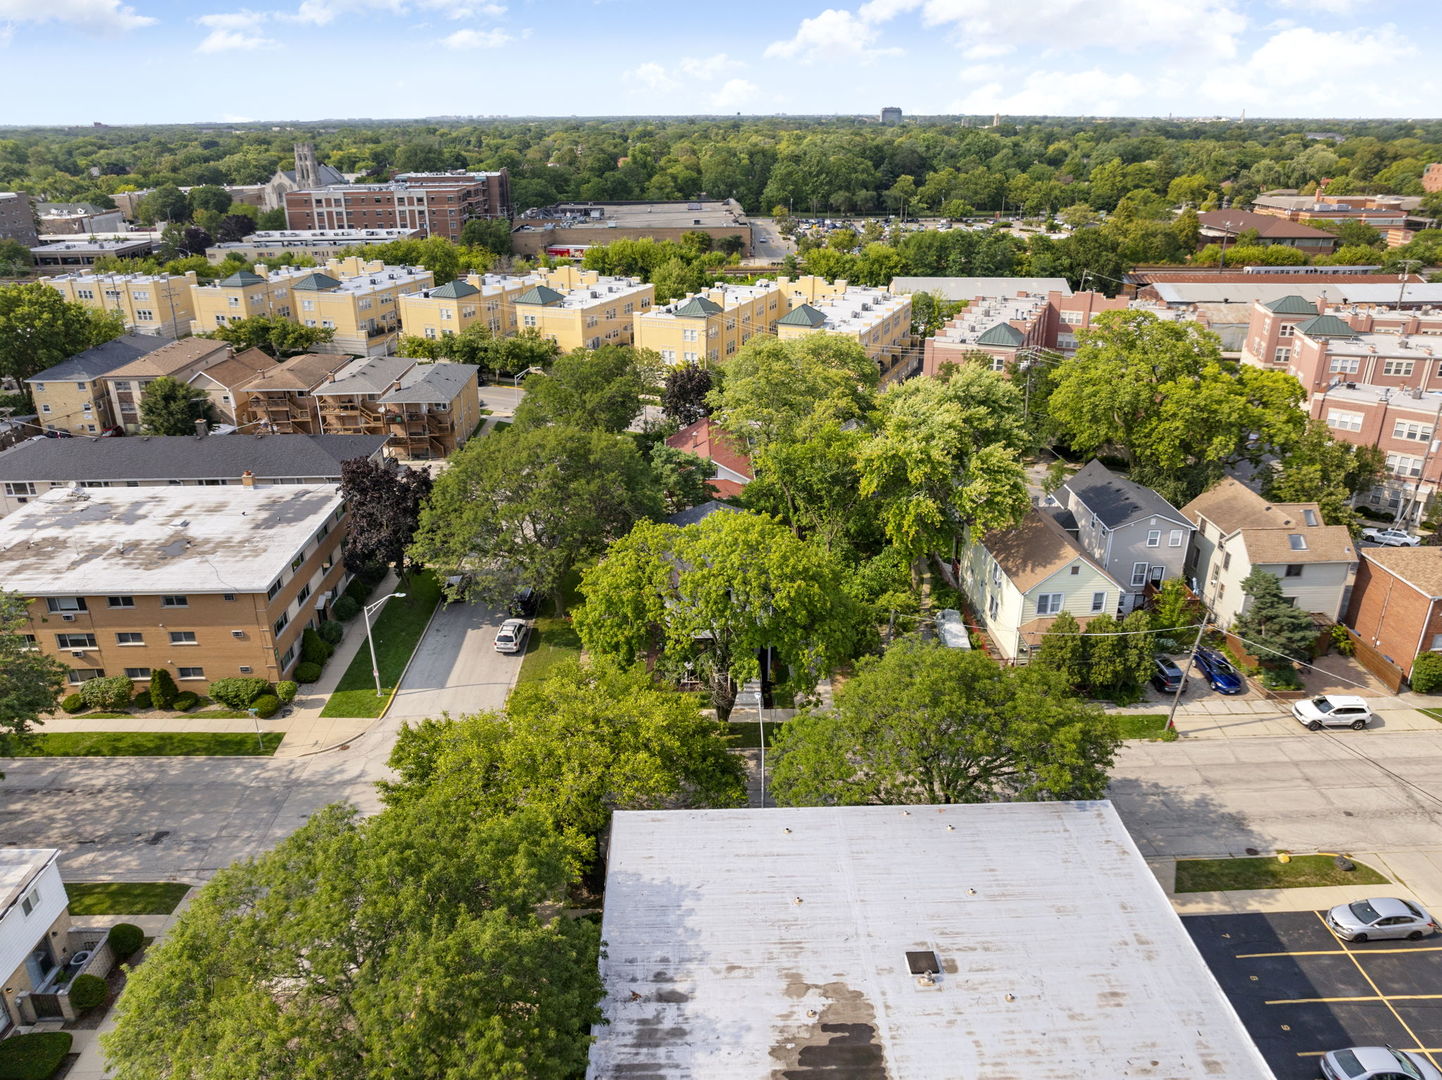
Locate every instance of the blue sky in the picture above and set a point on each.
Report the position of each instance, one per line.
(160, 61)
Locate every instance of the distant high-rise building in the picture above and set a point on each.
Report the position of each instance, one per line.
(891, 116)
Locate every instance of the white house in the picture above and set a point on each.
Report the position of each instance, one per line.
(34, 918)
(1018, 580)
(1238, 530)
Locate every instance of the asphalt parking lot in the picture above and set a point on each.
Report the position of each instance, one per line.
(1301, 991)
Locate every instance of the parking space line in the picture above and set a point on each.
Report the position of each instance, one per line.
(1363, 971)
(1408, 1049)
(1365, 997)
(1333, 952)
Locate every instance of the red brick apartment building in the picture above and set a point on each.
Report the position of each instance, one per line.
(1397, 602)
(438, 203)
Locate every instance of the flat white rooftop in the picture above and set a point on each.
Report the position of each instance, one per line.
(148, 540)
(768, 943)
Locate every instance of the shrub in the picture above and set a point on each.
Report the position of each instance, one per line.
(87, 991)
(1342, 641)
(346, 608)
(359, 592)
(286, 691)
(265, 705)
(373, 576)
(1427, 673)
(331, 632)
(36, 1056)
(162, 688)
(306, 672)
(73, 703)
(238, 692)
(110, 693)
(185, 701)
(143, 700)
(1281, 678)
(314, 649)
(125, 940)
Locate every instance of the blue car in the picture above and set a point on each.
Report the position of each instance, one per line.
(1221, 676)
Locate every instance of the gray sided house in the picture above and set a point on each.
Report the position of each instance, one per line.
(1135, 534)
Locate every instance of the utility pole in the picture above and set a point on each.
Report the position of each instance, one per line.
(1405, 268)
(1191, 661)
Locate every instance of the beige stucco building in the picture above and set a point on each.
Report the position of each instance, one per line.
(177, 360)
(487, 300)
(149, 303)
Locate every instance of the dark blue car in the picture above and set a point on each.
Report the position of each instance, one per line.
(1221, 676)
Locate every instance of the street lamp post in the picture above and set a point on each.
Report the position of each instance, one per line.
(366, 611)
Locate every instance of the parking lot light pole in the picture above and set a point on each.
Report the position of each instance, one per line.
(366, 611)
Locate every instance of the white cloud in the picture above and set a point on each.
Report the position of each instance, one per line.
(733, 94)
(477, 39)
(985, 50)
(651, 77)
(233, 20)
(1059, 93)
(709, 67)
(835, 34)
(1331, 7)
(92, 16)
(322, 12)
(233, 31)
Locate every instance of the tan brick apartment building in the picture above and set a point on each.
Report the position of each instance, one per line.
(149, 303)
(1397, 602)
(428, 410)
(177, 360)
(283, 397)
(567, 229)
(438, 204)
(70, 396)
(204, 582)
(221, 382)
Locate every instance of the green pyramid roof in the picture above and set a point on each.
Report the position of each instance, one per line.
(1001, 334)
(539, 294)
(1292, 305)
(241, 278)
(316, 283)
(454, 290)
(1326, 326)
(698, 307)
(805, 315)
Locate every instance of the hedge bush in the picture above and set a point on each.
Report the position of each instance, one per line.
(1427, 673)
(143, 700)
(373, 575)
(125, 940)
(1283, 677)
(314, 649)
(346, 608)
(359, 592)
(87, 991)
(240, 691)
(109, 693)
(35, 1056)
(185, 701)
(72, 703)
(286, 691)
(331, 632)
(162, 688)
(266, 705)
(306, 672)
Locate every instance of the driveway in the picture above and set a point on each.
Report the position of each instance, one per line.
(457, 669)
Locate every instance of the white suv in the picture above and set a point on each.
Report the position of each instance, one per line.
(511, 638)
(1333, 710)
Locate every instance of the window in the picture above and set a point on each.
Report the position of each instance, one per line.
(1071, 318)
(174, 601)
(280, 623)
(1412, 430)
(1293, 570)
(1346, 365)
(31, 902)
(1075, 569)
(192, 673)
(183, 637)
(30, 643)
(295, 562)
(78, 675)
(1099, 602)
(1397, 367)
(287, 657)
(1049, 603)
(1227, 561)
(993, 606)
(23, 487)
(1297, 541)
(1177, 538)
(300, 597)
(120, 601)
(1287, 330)
(1282, 356)
(1139, 574)
(66, 603)
(1404, 464)
(75, 641)
(137, 673)
(144, 315)
(227, 596)
(688, 335)
(1310, 517)
(528, 320)
(1154, 538)
(129, 638)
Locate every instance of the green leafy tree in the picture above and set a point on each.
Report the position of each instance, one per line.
(812, 481)
(165, 203)
(1271, 622)
(30, 681)
(709, 597)
(521, 507)
(15, 258)
(492, 234)
(1063, 650)
(684, 478)
(929, 313)
(684, 392)
(520, 352)
(313, 954)
(1355, 233)
(281, 338)
(171, 407)
(592, 390)
(927, 724)
(39, 328)
(1322, 469)
(210, 197)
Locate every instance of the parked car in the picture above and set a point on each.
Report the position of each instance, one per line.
(1167, 677)
(511, 637)
(524, 603)
(1384, 917)
(1333, 710)
(951, 630)
(1377, 1063)
(1391, 537)
(113, 432)
(1220, 675)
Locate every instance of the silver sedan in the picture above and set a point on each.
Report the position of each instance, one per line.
(1380, 918)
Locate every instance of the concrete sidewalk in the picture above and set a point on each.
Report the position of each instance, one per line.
(1234, 718)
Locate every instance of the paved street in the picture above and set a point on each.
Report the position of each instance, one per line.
(457, 668)
(501, 400)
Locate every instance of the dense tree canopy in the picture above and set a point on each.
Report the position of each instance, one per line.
(39, 328)
(591, 389)
(171, 407)
(29, 680)
(281, 338)
(383, 502)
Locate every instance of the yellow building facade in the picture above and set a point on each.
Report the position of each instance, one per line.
(157, 304)
(484, 299)
(580, 309)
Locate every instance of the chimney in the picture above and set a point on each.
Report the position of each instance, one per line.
(202, 429)
(247, 479)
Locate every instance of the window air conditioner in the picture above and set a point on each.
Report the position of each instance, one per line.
(78, 654)
(67, 618)
(237, 633)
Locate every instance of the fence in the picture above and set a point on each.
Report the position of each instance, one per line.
(1383, 669)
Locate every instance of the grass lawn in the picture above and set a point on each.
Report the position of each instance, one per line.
(1435, 714)
(397, 632)
(35, 1056)
(1218, 875)
(746, 734)
(1144, 726)
(553, 638)
(146, 744)
(500, 425)
(125, 897)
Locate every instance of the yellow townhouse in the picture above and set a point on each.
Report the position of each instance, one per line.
(485, 299)
(149, 303)
(580, 309)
